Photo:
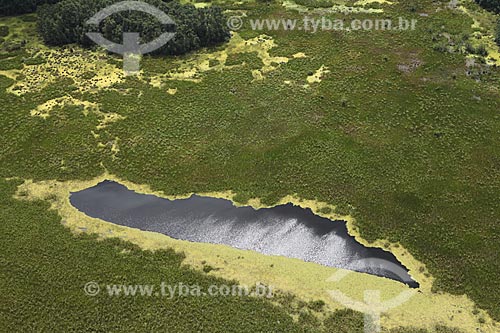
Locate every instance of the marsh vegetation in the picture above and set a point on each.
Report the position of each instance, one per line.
(411, 151)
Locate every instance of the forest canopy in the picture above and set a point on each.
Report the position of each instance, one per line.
(65, 23)
(15, 7)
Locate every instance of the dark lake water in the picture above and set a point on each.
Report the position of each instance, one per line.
(284, 230)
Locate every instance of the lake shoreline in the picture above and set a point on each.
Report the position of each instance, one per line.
(424, 310)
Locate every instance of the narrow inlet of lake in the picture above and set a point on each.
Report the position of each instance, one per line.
(285, 230)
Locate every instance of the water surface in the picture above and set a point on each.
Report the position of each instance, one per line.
(284, 230)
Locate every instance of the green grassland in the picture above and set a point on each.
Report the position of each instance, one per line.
(399, 134)
(44, 268)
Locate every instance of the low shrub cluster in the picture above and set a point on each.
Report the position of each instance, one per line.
(498, 32)
(65, 23)
(4, 31)
(479, 50)
(316, 3)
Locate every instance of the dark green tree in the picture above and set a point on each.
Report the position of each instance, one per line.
(63, 23)
(15, 7)
(211, 26)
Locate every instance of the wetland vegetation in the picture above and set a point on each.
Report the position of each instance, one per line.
(400, 130)
(284, 230)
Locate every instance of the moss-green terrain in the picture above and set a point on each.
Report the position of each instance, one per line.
(398, 129)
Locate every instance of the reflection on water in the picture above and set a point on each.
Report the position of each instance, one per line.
(284, 230)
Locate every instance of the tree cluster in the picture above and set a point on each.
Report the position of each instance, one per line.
(65, 23)
(16, 7)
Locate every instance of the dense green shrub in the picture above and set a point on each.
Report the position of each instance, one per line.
(315, 3)
(492, 5)
(13, 7)
(479, 50)
(4, 31)
(498, 32)
(64, 23)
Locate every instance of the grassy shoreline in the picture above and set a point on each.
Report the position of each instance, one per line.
(424, 310)
(412, 156)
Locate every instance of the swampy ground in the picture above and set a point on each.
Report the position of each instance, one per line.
(398, 129)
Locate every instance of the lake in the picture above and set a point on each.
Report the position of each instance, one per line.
(284, 230)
